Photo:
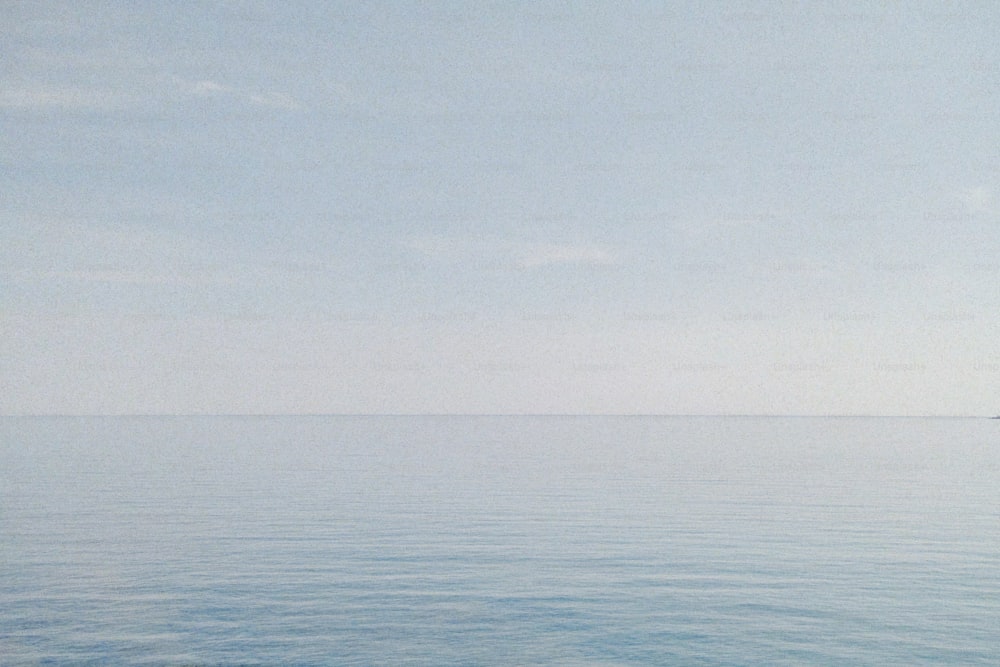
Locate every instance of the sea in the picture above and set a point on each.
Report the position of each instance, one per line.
(499, 540)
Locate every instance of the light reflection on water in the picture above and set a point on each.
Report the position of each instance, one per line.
(500, 540)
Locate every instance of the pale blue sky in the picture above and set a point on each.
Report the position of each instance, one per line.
(257, 207)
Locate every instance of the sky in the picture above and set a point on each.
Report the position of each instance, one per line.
(247, 207)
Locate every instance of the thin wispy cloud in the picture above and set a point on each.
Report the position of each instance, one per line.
(67, 98)
(207, 88)
(277, 101)
(511, 254)
(113, 276)
(977, 200)
(548, 254)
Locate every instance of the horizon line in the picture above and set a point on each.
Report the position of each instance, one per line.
(495, 414)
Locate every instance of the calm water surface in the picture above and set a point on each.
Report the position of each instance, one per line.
(500, 541)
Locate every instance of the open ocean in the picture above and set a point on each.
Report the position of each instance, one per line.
(500, 541)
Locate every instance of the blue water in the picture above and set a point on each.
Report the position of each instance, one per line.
(500, 541)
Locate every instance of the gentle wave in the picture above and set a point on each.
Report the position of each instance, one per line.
(499, 540)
